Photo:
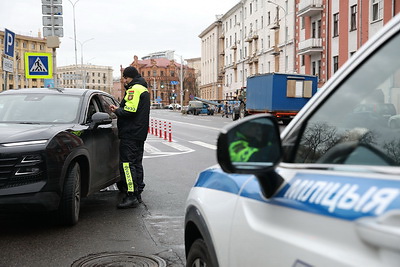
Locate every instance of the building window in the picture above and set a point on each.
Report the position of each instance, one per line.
(377, 10)
(313, 30)
(353, 18)
(269, 18)
(335, 25)
(303, 22)
(319, 28)
(154, 73)
(314, 68)
(303, 59)
(319, 68)
(335, 63)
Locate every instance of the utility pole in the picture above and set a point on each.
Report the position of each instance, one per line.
(76, 53)
(181, 78)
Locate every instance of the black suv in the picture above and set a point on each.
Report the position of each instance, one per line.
(56, 146)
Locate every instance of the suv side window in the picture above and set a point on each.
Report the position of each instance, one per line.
(107, 102)
(359, 123)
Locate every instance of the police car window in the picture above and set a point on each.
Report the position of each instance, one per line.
(360, 122)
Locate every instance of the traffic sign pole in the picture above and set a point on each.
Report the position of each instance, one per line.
(8, 64)
(52, 29)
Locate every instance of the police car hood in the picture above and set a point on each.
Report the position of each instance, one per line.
(20, 132)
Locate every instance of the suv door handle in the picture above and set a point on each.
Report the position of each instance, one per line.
(382, 231)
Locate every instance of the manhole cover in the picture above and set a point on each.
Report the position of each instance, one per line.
(119, 259)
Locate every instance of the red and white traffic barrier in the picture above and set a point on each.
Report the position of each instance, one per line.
(161, 129)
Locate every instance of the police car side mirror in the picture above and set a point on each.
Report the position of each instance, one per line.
(252, 146)
(99, 118)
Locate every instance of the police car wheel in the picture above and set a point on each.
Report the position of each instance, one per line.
(71, 198)
(198, 255)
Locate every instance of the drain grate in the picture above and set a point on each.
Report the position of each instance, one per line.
(119, 259)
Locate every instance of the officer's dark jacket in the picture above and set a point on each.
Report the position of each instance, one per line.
(134, 111)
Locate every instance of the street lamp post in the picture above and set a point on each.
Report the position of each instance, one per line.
(285, 12)
(181, 78)
(83, 70)
(154, 89)
(76, 53)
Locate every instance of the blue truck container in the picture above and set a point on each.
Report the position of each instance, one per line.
(281, 94)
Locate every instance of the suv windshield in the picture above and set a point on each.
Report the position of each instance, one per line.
(359, 123)
(38, 108)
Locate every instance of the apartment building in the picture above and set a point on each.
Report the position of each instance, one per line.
(329, 32)
(96, 77)
(289, 36)
(253, 37)
(163, 76)
(23, 44)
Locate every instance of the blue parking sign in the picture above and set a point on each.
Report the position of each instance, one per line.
(9, 41)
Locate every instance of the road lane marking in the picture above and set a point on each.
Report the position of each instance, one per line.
(199, 143)
(178, 146)
(150, 149)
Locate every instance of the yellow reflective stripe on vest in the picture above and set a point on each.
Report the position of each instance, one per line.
(128, 176)
(132, 97)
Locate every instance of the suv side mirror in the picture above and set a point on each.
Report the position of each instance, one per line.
(252, 146)
(99, 118)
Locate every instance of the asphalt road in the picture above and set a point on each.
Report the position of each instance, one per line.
(152, 231)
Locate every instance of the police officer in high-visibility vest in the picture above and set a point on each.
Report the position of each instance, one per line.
(133, 123)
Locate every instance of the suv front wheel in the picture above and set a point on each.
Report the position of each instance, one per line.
(198, 255)
(71, 197)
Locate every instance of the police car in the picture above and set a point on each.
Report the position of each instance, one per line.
(328, 194)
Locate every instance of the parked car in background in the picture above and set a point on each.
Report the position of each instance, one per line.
(174, 106)
(196, 107)
(156, 106)
(325, 192)
(56, 146)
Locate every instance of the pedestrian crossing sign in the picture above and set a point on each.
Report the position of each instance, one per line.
(38, 65)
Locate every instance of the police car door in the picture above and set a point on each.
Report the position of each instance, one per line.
(340, 204)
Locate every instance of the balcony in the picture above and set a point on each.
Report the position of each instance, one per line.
(309, 8)
(249, 39)
(274, 26)
(253, 59)
(310, 46)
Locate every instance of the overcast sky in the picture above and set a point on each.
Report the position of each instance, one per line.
(120, 28)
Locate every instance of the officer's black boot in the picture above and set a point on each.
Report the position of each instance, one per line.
(130, 201)
(139, 198)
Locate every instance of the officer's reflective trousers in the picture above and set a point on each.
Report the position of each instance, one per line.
(131, 167)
